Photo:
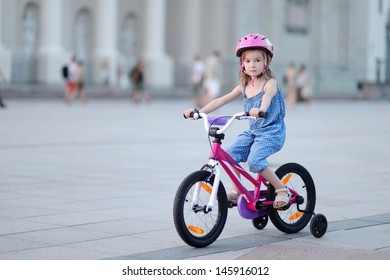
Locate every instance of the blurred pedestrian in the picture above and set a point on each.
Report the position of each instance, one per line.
(303, 85)
(122, 80)
(104, 76)
(213, 76)
(291, 84)
(136, 76)
(104, 73)
(2, 80)
(70, 75)
(197, 78)
(79, 80)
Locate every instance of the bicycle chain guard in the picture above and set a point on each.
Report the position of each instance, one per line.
(245, 212)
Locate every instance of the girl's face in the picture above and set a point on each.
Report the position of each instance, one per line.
(254, 63)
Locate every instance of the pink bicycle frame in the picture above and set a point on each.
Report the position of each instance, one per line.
(218, 156)
(225, 160)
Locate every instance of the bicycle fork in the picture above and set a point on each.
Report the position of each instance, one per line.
(214, 168)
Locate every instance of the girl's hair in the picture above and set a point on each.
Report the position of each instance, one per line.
(244, 78)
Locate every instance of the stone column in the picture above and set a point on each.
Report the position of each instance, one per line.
(51, 52)
(106, 37)
(193, 24)
(5, 54)
(159, 66)
(190, 44)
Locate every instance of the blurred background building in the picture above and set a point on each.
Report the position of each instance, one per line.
(342, 42)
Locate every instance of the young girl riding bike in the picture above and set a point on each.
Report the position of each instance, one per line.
(261, 96)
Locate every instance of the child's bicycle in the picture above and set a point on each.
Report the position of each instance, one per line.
(200, 205)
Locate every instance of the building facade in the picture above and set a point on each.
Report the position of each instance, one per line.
(342, 42)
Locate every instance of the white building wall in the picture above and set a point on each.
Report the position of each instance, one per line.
(51, 51)
(343, 44)
(376, 43)
(5, 54)
(158, 65)
(106, 49)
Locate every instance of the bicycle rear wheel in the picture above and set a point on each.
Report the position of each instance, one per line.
(295, 177)
(194, 224)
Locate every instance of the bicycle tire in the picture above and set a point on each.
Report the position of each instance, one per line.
(195, 227)
(292, 220)
(260, 222)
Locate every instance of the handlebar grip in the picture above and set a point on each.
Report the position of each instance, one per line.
(192, 114)
(263, 115)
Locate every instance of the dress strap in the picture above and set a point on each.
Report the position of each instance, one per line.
(266, 81)
(243, 90)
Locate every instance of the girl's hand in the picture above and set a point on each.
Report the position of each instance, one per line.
(187, 113)
(254, 112)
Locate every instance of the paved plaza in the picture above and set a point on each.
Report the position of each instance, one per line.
(97, 181)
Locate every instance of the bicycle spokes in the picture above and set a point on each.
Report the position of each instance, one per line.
(196, 222)
(199, 221)
(301, 185)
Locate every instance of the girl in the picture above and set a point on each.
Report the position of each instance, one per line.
(260, 92)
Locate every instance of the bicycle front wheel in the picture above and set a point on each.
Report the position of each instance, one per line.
(297, 178)
(194, 223)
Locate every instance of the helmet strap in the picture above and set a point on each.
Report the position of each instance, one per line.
(264, 70)
(253, 81)
(242, 66)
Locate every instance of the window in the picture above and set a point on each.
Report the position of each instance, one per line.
(82, 34)
(297, 16)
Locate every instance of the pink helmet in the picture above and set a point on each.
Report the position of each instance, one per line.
(254, 41)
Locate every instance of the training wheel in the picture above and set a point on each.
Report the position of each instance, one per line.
(260, 222)
(318, 225)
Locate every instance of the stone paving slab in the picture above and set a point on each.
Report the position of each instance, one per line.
(98, 181)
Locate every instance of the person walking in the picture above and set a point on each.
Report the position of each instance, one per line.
(2, 80)
(197, 78)
(79, 81)
(291, 84)
(137, 81)
(303, 85)
(71, 80)
(213, 77)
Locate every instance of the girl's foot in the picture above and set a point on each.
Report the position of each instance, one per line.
(282, 199)
(232, 197)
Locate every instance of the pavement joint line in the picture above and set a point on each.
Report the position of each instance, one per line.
(55, 227)
(366, 226)
(381, 248)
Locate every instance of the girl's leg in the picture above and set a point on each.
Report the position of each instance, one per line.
(234, 194)
(239, 150)
(274, 180)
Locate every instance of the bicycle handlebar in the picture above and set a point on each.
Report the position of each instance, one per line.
(238, 116)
